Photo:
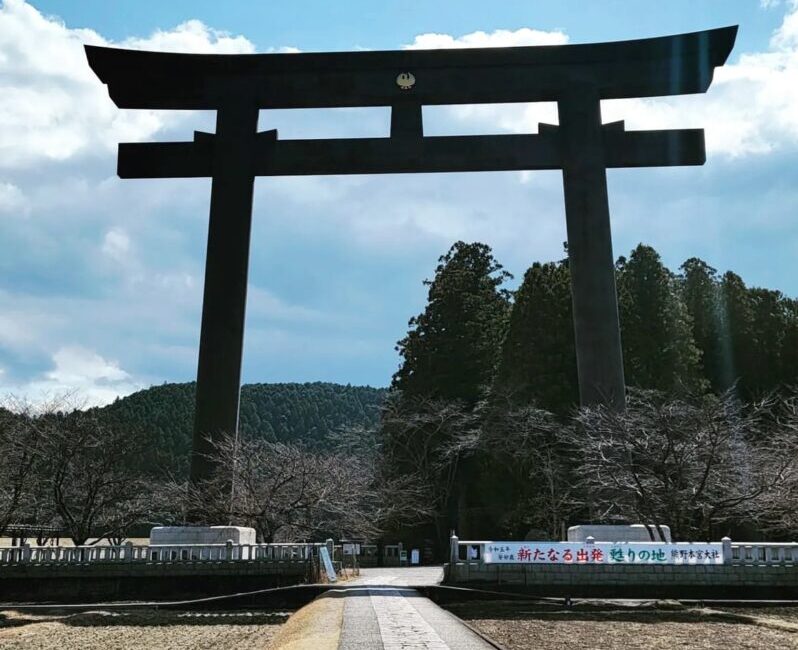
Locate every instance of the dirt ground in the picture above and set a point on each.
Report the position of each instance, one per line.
(139, 629)
(528, 626)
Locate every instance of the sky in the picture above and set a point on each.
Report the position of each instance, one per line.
(101, 279)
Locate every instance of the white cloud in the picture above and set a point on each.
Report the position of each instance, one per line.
(751, 107)
(53, 107)
(13, 201)
(192, 36)
(498, 38)
(80, 373)
(75, 365)
(116, 244)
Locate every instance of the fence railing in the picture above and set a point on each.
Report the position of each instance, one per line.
(734, 553)
(132, 553)
(764, 553)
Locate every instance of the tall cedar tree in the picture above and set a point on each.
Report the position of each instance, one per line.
(737, 334)
(789, 355)
(701, 295)
(770, 321)
(658, 347)
(538, 361)
(452, 347)
(450, 354)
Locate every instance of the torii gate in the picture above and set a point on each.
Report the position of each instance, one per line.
(577, 77)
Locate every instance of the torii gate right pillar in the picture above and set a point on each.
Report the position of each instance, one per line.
(597, 335)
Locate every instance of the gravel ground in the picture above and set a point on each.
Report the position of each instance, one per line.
(139, 629)
(530, 626)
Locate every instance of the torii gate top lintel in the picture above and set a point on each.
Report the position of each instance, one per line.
(667, 65)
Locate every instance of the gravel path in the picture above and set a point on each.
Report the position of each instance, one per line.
(139, 630)
(527, 627)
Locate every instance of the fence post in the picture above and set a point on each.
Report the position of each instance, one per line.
(228, 550)
(727, 550)
(330, 546)
(454, 549)
(26, 552)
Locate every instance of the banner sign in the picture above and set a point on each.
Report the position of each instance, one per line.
(601, 553)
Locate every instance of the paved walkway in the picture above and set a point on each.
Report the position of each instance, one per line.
(381, 612)
(416, 576)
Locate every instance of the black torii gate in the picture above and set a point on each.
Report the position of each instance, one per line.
(577, 77)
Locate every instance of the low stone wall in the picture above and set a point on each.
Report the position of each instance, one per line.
(97, 582)
(707, 582)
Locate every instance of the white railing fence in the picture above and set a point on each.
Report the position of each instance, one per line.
(777, 553)
(734, 553)
(159, 553)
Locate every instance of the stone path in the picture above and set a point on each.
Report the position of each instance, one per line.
(417, 576)
(381, 612)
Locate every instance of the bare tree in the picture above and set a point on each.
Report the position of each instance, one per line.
(288, 492)
(776, 509)
(529, 461)
(87, 473)
(20, 440)
(693, 464)
(429, 442)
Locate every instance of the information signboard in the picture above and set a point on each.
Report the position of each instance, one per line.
(601, 553)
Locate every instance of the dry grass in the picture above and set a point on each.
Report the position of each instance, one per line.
(139, 629)
(611, 627)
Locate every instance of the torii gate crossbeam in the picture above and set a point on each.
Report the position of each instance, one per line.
(237, 87)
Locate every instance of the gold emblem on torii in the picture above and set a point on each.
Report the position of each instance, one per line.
(406, 81)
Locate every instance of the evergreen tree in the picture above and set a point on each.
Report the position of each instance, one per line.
(658, 347)
(452, 347)
(701, 295)
(538, 361)
(737, 333)
(789, 356)
(770, 322)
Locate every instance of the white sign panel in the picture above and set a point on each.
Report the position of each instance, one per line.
(328, 565)
(601, 553)
(351, 549)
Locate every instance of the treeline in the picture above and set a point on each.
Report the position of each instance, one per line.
(691, 331)
(310, 413)
(487, 394)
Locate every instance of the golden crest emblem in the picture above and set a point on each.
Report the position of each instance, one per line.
(405, 81)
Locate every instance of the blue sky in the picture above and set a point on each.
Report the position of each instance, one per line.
(101, 279)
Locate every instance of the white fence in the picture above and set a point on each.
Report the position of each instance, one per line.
(734, 553)
(131, 553)
(764, 553)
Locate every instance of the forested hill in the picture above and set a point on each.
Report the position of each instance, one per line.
(283, 412)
